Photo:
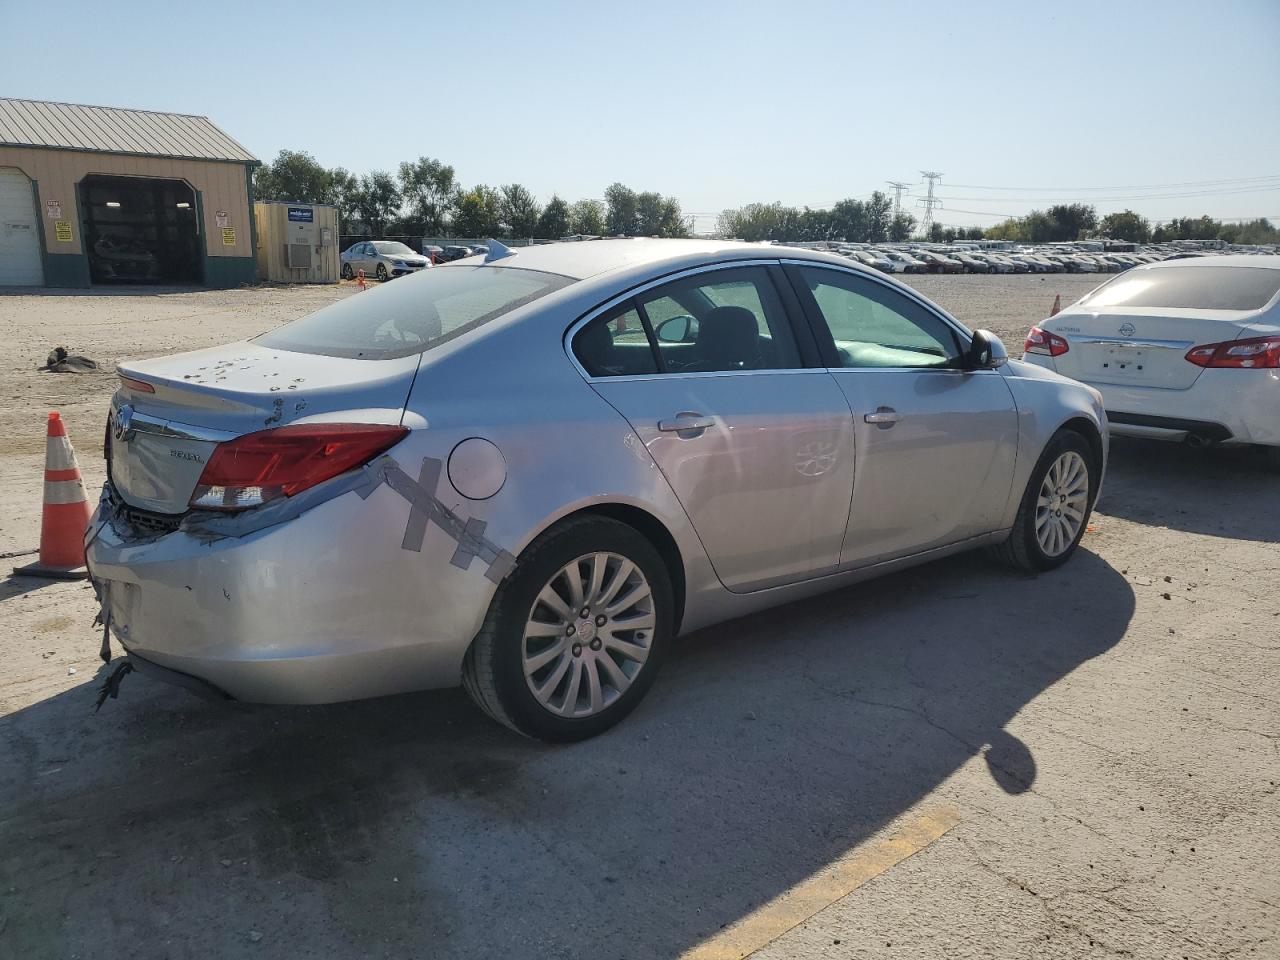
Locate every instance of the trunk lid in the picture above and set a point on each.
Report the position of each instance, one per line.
(161, 441)
(1139, 347)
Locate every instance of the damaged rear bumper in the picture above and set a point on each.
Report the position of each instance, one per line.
(201, 688)
(320, 607)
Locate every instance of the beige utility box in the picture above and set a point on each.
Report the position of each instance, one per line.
(297, 242)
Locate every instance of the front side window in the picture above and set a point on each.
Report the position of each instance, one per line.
(415, 314)
(875, 326)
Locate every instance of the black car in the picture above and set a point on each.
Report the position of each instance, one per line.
(451, 253)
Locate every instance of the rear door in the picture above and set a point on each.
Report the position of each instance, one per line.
(936, 443)
(757, 446)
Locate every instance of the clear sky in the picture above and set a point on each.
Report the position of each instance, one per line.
(717, 103)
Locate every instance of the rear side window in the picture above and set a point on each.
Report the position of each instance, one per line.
(615, 345)
(1190, 288)
(414, 313)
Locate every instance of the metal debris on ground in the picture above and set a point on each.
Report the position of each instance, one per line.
(111, 686)
(60, 361)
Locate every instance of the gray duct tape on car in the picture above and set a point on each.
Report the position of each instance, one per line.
(424, 508)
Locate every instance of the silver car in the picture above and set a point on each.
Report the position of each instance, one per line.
(530, 474)
(381, 259)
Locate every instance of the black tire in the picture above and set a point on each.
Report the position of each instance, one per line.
(382, 271)
(1022, 550)
(493, 671)
(347, 272)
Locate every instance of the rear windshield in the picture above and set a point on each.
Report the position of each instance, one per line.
(1190, 288)
(414, 313)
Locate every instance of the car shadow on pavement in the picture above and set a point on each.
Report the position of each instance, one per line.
(412, 826)
(1216, 491)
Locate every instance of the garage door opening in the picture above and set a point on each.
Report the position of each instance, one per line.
(20, 263)
(140, 230)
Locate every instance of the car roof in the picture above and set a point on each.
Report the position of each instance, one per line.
(1266, 261)
(581, 259)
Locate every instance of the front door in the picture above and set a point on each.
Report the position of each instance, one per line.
(758, 449)
(936, 443)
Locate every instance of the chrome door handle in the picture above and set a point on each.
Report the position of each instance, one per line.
(884, 417)
(682, 422)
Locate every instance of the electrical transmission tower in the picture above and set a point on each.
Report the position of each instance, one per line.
(898, 187)
(930, 201)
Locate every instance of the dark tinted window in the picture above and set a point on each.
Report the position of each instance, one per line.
(615, 345)
(1189, 288)
(415, 313)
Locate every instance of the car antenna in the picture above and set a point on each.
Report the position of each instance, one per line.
(497, 251)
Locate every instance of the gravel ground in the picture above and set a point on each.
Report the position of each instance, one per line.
(1105, 737)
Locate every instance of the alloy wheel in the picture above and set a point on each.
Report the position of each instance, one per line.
(588, 634)
(1062, 503)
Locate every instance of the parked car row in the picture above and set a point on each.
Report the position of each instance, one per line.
(387, 259)
(921, 258)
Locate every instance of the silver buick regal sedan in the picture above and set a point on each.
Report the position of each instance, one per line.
(528, 474)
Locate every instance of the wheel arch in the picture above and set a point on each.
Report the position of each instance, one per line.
(1093, 436)
(648, 526)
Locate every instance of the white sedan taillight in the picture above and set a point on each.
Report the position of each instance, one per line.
(1045, 343)
(1258, 352)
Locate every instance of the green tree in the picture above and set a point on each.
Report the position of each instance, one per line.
(519, 210)
(293, 175)
(1072, 221)
(554, 222)
(1261, 231)
(1010, 229)
(587, 218)
(937, 232)
(429, 189)
(849, 221)
(648, 218)
(344, 191)
(479, 213)
(901, 226)
(672, 222)
(1126, 225)
(879, 216)
(622, 217)
(378, 201)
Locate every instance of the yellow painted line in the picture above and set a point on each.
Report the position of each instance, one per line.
(832, 883)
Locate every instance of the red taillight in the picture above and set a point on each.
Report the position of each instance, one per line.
(1259, 352)
(1045, 343)
(263, 466)
(138, 386)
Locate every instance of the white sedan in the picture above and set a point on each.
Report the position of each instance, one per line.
(1180, 350)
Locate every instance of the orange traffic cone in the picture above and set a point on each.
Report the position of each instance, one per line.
(66, 511)
(1057, 306)
(360, 279)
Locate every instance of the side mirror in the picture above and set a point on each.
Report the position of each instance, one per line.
(986, 352)
(679, 329)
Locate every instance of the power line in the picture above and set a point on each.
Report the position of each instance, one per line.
(1228, 192)
(1130, 186)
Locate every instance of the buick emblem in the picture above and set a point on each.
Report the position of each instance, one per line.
(1127, 329)
(122, 424)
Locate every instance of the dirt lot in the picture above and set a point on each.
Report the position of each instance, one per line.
(1083, 764)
